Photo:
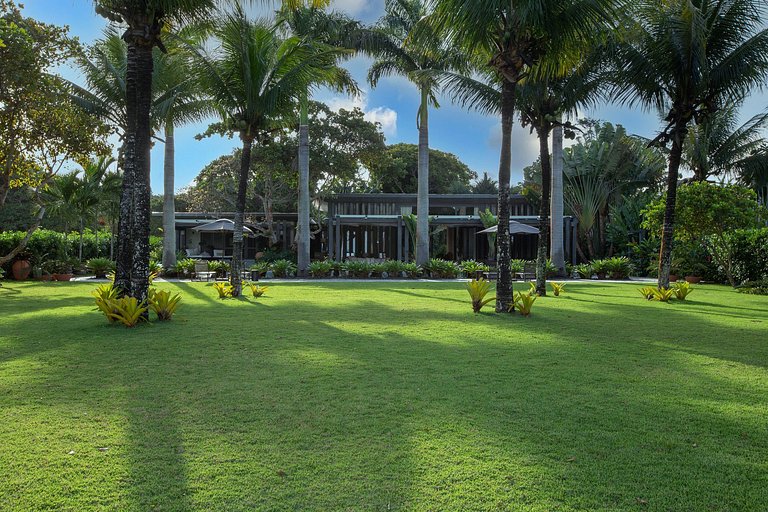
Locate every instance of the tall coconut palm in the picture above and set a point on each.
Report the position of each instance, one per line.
(178, 100)
(688, 59)
(145, 20)
(255, 79)
(514, 35)
(313, 24)
(543, 98)
(412, 50)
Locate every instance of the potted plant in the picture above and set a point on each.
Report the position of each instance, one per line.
(62, 270)
(22, 267)
(100, 267)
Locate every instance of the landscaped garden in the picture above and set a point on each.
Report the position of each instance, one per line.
(384, 396)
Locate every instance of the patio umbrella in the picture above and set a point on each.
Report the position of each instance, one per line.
(515, 228)
(220, 226)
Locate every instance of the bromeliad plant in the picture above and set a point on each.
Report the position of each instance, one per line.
(478, 289)
(321, 268)
(224, 290)
(663, 294)
(472, 267)
(164, 304)
(649, 292)
(257, 290)
(283, 268)
(682, 290)
(557, 288)
(523, 302)
(442, 269)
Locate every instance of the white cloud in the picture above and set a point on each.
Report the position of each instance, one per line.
(352, 7)
(382, 115)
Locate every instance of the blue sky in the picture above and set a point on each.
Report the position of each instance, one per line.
(472, 137)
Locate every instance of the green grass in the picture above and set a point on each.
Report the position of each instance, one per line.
(384, 396)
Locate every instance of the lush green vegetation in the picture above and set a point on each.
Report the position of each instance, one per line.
(384, 396)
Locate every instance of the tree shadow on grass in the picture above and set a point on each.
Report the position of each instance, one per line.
(290, 410)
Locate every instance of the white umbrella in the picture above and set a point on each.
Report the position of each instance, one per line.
(220, 226)
(515, 228)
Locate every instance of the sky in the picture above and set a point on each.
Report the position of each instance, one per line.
(474, 138)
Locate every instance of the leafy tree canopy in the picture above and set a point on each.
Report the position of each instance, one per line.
(397, 171)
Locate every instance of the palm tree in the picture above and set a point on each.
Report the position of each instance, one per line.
(512, 36)
(145, 21)
(719, 147)
(413, 49)
(543, 99)
(177, 101)
(687, 59)
(313, 24)
(255, 79)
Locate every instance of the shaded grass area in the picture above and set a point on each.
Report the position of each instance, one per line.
(384, 396)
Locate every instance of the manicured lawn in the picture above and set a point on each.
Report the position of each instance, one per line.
(385, 396)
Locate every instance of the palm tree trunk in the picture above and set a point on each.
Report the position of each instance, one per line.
(237, 235)
(504, 284)
(303, 251)
(143, 191)
(546, 187)
(169, 203)
(668, 231)
(557, 248)
(422, 198)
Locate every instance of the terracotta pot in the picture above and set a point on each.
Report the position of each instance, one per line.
(693, 279)
(21, 269)
(63, 277)
(46, 277)
(673, 278)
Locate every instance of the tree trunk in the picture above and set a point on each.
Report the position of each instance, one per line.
(237, 235)
(546, 186)
(504, 284)
(303, 239)
(668, 231)
(557, 248)
(80, 249)
(169, 203)
(422, 199)
(132, 274)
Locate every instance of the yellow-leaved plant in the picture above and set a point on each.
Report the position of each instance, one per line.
(478, 289)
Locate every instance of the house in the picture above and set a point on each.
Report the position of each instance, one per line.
(374, 226)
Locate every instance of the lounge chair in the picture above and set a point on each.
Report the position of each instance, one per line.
(201, 271)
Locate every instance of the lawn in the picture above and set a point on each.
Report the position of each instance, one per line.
(385, 396)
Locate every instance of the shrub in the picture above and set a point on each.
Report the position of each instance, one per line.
(600, 267)
(101, 266)
(584, 270)
(283, 268)
(754, 287)
(220, 267)
(224, 290)
(442, 269)
(471, 267)
(257, 290)
(682, 290)
(478, 289)
(411, 270)
(260, 266)
(748, 249)
(321, 268)
(155, 267)
(185, 266)
(378, 269)
(557, 288)
(357, 269)
(618, 267)
(163, 304)
(517, 266)
(393, 267)
(550, 270)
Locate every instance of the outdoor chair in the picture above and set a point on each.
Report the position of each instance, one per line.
(529, 272)
(201, 271)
